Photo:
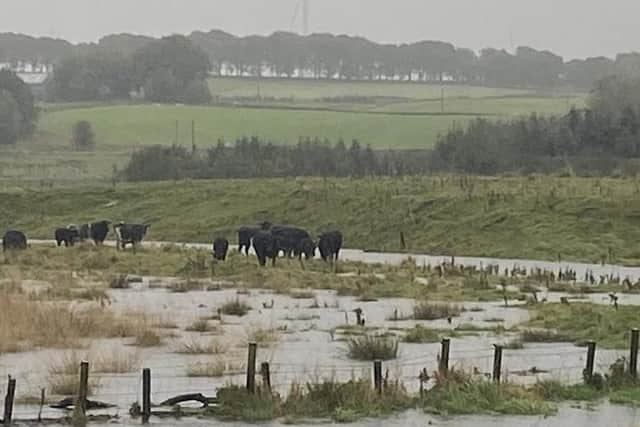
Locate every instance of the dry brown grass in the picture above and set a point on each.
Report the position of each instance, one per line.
(195, 346)
(148, 338)
(26, 324)
(117, 361)
(201, 325)
(64, 375)
(262, 335)
(211, 370)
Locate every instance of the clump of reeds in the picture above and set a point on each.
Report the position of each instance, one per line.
(372, 347)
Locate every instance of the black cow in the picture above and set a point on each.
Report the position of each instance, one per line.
(131, 234)
(83, 232)
(98, 231)
(68, 236)
(220, 248)
(330, 244)
(289, 238)
(265, 244)
(307, 248)
(14, 240)
(245, 234)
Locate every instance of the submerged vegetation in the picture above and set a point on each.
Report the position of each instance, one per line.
(372, 347)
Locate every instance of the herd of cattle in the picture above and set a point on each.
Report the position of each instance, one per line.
(268, 241)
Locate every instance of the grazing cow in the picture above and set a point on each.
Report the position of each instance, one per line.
(131, 234)
(307, 248)
(330, 244)
(265, 244)
(14, 240)
(98, 231)
(289, 238)
(220, 248)
(68, 236)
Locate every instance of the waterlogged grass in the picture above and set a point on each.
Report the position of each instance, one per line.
(372, 347)
(69, 271)
(582, 322)
(420, 334)
(327, 399)
(435, 311)
(235, 308)
(461, 394)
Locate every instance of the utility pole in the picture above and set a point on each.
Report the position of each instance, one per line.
(305, 17)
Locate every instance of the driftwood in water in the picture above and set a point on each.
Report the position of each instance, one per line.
(193, 397)
(69, 403)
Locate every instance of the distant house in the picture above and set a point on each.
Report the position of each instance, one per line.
(34, 75)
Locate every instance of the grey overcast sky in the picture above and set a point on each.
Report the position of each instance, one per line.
(572, 28)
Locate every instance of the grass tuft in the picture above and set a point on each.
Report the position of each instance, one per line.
(372, 347)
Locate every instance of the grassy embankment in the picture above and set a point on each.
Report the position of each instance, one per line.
(539, 218)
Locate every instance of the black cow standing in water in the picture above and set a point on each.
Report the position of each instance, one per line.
(220, 248)
(265, 244)
(14, 240)
(330, 244)
(129, 234)
(69, 236)
(98, 231)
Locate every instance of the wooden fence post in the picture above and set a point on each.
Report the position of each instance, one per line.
(81, 403)
(8, 402)
(251, 368)
(444, 356)
(497, 363)
(266, 376)
(633, 357)
(591, 357)
(42, 399)
(377, 376)
(146, 395)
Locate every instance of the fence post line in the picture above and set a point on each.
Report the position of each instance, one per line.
(81, 403)
(633, 357)
(265, 371)
(42, 399)
(377, 376)
(8, 402)
(251, 368)
(444, 356)
(591, 357)
(497, 363)
(146, 395)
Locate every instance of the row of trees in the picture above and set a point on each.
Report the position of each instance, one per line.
(171, 69)
(327, 56)
(250, 158)
(18, 114)
(598, 138)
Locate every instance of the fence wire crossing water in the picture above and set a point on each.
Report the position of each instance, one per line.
(172, 377)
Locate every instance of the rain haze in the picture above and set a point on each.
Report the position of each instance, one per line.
(571, 28)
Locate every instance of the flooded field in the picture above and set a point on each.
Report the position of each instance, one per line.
(303, 335)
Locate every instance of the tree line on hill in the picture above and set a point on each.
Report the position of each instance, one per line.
(326, 56)
(170, 70)
(257, 158)
(601, 140)
(18, 114)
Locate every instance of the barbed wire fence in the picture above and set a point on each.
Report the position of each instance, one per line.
(169, 379)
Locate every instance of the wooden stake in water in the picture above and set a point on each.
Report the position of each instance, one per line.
(146, 395)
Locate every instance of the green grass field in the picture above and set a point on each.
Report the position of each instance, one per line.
(384, 115)
(316, 89)
(538, 218)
